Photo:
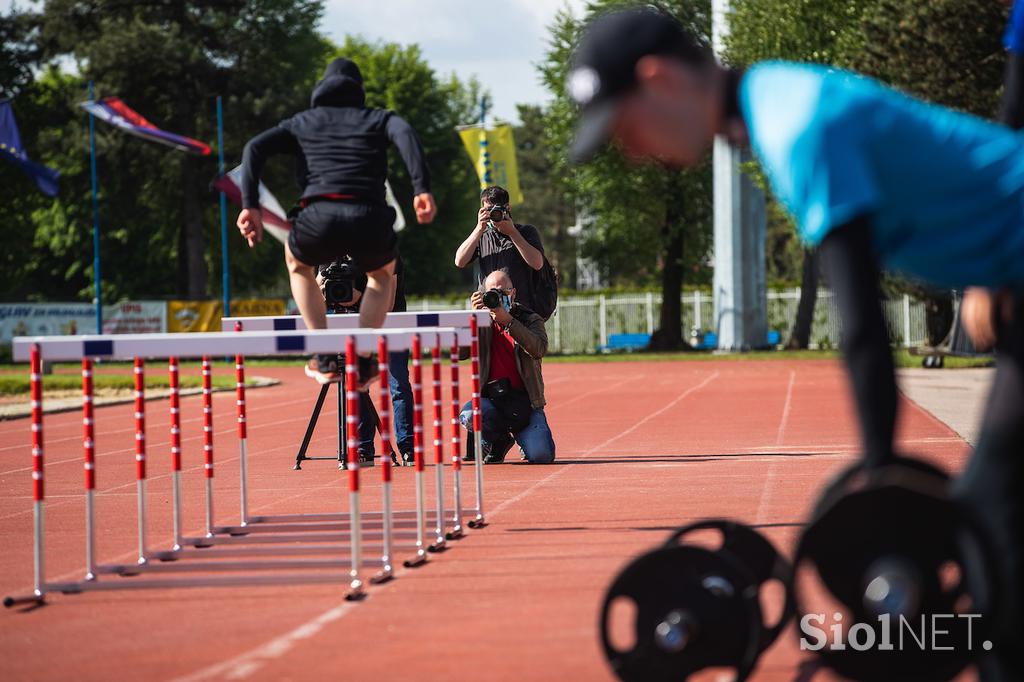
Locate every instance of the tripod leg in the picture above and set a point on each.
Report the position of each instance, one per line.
(301, 455)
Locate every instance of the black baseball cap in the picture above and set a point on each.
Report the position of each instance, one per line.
(604, 67)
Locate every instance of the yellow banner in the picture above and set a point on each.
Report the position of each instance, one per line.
(494, 155)
(205, 316)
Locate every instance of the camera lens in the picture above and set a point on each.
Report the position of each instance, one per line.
(496, 214)
(492, 298)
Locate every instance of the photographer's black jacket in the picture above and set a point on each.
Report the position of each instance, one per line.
(340, 143)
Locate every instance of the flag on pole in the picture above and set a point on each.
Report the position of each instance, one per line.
(117, 113)
(494, 155)
(46, 179)
(275, 219)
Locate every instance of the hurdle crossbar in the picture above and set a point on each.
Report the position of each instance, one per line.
(409, 320)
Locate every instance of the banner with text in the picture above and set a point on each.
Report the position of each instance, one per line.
(48, 319)
(204, 316)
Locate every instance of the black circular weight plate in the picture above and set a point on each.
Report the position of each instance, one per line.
(859, 475)
(713, 594)
(886, 525)
(756, 554)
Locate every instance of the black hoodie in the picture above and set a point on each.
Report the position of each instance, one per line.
(340, 143)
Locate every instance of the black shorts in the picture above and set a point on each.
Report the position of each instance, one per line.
(327, 230)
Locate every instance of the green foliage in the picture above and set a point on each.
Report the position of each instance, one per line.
(548, 206)
(946, 51)
(397, 77)
(168, 61)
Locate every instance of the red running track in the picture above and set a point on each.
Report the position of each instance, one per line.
(642, 448)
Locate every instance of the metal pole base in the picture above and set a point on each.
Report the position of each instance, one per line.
(478, 522)
(297, 467)
(383, 576)
(356, 592)
(439, 545)
(418, 560)
(36, 599)
(455, 533)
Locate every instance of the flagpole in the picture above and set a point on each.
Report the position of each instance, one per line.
(223, 211)
(98, 300)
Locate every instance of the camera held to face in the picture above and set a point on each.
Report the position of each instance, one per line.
(497, 213)
(496, 298)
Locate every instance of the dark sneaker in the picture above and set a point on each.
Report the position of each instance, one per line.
(494, 453)
(323, 368)
(522, 456)
(408, 459)
(366, 459)
(369, 371)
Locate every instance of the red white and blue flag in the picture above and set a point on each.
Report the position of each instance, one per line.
(117, 113)
(275, 220)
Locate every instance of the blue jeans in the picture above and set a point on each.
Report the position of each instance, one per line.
(536, 440)
(401, 406)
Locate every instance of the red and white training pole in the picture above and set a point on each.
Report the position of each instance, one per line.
(478, 457)
(140, 453)
(36, 380)
(243, 449)
(208, 442)
(89, 451)
(417, 433)
(352, 430)
(384, 359)
(173, 376)
(435, 370)
(456, 530)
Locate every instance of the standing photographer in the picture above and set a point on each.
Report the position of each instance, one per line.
(343, 285)
(500, 243)
(342, 147)
(512, 401)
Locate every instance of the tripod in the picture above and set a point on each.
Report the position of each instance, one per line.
(300, 456)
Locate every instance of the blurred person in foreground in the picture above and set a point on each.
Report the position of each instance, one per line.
(874, 178)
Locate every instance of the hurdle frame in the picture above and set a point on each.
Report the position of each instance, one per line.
(205, 345)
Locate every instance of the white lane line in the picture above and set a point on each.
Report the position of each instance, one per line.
(785, 408)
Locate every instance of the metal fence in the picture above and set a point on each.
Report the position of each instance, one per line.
(583, 324)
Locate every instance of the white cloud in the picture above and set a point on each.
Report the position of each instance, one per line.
(500, 41)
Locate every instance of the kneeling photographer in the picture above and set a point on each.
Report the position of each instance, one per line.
(343, 284)
(512, 400)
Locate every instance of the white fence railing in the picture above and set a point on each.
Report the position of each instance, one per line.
(583, 324)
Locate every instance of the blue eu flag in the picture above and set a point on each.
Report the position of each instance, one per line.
(11, 149)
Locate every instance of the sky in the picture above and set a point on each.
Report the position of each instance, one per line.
(500, 41)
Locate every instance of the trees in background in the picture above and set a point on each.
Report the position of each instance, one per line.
(169, 61)
(946, 51)
(641, 223)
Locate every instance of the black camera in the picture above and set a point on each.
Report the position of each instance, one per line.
(497, 213)
(493, 298)
(341, 280)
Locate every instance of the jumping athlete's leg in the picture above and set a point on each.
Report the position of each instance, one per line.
(378, 297)
(306, 292)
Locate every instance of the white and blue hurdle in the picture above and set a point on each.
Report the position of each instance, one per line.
(460, 319)
(338, 531)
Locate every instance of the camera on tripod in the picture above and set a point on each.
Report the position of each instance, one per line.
(341, 282)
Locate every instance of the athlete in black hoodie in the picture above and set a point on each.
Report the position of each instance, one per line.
(341, 146)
